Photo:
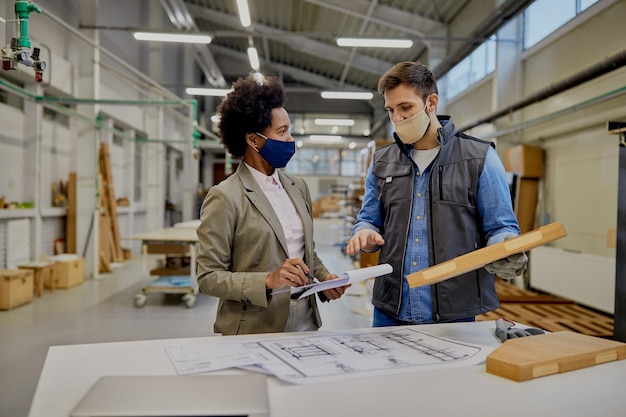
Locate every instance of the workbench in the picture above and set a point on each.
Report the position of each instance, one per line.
(179, 240)
(69, 371)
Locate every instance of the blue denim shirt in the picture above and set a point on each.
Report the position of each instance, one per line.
(498, 222)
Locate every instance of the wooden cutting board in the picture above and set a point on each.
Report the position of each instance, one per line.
(551, 353)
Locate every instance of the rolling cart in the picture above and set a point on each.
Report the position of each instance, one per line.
(178, 273)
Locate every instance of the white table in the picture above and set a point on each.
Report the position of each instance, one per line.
(190, 224)
(178, 235)
(69, 371)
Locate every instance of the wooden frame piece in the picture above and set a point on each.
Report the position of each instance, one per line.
(481, 257)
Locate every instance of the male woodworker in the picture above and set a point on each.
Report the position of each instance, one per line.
(431, 196)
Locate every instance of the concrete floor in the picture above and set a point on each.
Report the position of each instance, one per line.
(102, 311)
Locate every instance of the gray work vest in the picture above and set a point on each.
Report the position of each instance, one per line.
(454, 224)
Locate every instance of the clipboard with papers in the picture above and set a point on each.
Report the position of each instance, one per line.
(348, 277)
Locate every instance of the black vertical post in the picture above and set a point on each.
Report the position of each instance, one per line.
(620, 256)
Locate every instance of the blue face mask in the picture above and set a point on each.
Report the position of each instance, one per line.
(276, 152)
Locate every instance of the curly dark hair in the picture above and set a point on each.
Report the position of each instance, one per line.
(248, 108)
(413, 73)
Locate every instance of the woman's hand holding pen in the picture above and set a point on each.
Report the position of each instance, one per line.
(292, 273)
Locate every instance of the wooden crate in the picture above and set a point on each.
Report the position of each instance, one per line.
(16, 288)
(44, 275)
(68, 270)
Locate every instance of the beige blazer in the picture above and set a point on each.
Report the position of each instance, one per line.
(240, 242)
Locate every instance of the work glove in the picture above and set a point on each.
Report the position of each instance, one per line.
(510, 267)
(505, 330)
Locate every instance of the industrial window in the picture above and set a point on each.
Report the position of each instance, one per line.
(543, 17)
(349, 163)
(315, 161)
(324, 161)
(11, 99)
(473, 68)
(56, 116)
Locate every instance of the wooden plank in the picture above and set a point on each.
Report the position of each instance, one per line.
(170, 234)
(105, 238)
(526, 358)
(170, 271)
(166, 248)
(70, 222)
(104, 243)
(481, 257)
(535, 299)
(104, 265)
(111, 204)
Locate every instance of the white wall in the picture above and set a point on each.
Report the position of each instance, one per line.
(581, 165)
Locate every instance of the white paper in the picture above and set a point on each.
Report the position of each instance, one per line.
(387, 351)
(307, 357)
(205, 357)
(349, 277)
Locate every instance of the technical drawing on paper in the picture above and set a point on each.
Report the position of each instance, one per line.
(324, 356)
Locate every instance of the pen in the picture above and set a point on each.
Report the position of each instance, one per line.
(300, 288)
(311, 277)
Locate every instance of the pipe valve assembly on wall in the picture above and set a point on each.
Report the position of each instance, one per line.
(18, 52)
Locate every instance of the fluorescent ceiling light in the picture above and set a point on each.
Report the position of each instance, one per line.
(351, 95)
(375, 42)
(215, 118)
(172, 37)
(215, 92)
(326, 138)
(334, 122)
(244, 13)
(253, 56)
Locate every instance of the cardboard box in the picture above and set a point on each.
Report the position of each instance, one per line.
(317, 208)
(526, 203)
(16, 288)
(524, 160)
(68, 270)
(329, 203)
(368, 259)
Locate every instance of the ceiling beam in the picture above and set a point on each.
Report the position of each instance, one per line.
(180, 17)
(306, 77)
(298, 42)
(383, 15)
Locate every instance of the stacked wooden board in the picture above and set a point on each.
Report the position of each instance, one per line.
(110, 248)
(547, 312)
(70, 224)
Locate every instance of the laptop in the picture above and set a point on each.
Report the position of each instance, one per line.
(176, 395)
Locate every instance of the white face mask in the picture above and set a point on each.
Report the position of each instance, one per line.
(412, 129)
